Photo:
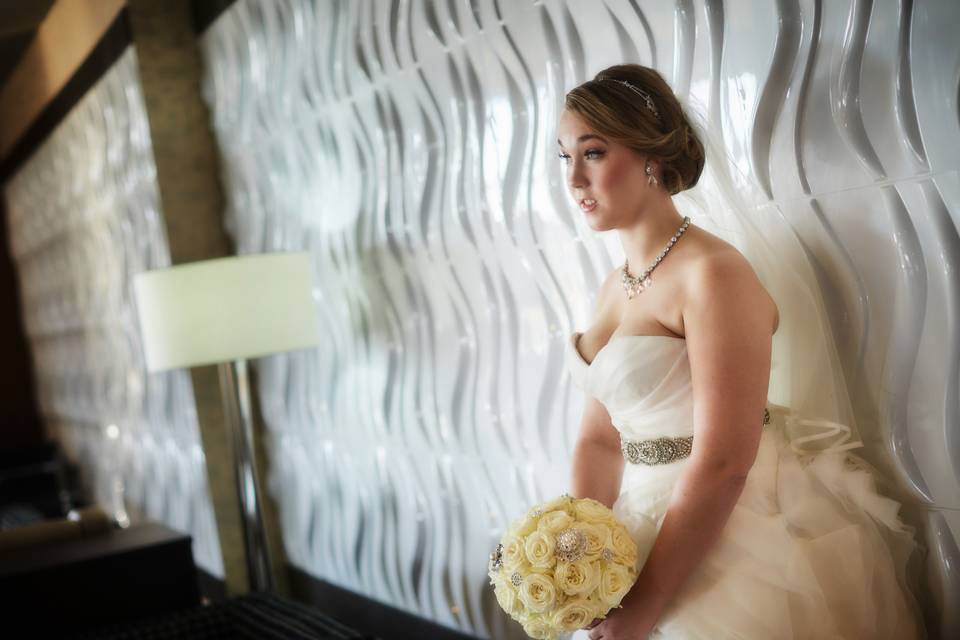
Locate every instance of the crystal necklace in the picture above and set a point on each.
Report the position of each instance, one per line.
(636, 284)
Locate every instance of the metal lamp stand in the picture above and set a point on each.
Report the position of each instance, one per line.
(235, 389)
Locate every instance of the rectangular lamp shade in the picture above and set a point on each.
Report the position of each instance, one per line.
(226, 309)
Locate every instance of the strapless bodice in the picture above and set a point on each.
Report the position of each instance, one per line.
(642, 380)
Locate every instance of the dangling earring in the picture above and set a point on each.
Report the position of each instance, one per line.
(651, 179)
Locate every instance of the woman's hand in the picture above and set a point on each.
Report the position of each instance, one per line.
(635, 622)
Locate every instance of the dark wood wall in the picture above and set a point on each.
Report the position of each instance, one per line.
(20, 423)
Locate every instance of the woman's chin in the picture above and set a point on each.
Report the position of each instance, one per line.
(598, 223)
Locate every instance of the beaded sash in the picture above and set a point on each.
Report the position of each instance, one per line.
(663, 450)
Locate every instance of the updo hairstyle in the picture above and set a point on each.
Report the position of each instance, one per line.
(621, 114)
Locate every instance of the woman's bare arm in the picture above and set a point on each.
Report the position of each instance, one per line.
(728, 322)
(597, 465)
(597, 460)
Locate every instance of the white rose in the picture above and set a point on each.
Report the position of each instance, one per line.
(540, 628)
(598, 608)
(575, 614)
(539, 548)
(524, 525)
(538, 593)
(514, 555)
(597, 537)
(507, 596)
(590, 510)
(623, 546)
(561, 503)
(615, 582)
(554, 522)
(577, 578)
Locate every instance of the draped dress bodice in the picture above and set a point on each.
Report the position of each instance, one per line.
(642, 380)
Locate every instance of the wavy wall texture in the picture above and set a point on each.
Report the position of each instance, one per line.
(409, 146)
(84, 219)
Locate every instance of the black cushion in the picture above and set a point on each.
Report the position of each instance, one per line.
(260, 616)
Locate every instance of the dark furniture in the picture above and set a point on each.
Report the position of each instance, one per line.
(254, 616)
(36, 483)
(49, 589)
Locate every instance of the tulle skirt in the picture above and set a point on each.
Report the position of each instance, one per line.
(811, 550)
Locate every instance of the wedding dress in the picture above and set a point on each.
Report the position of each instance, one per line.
(811, 550)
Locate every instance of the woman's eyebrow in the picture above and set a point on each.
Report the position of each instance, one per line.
(586, 136)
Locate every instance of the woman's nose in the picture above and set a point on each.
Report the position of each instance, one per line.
(576, 177)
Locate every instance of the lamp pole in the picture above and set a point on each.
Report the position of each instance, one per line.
(235, 389)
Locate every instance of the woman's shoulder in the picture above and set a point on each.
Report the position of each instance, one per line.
(710, 257)
(716, 268)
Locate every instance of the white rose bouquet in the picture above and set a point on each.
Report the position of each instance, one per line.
(563, 564)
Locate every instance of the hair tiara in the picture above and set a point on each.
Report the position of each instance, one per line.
(648, 101)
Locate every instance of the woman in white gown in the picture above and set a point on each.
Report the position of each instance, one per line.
(754, 539)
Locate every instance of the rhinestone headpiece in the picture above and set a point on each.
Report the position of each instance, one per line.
(647, 99)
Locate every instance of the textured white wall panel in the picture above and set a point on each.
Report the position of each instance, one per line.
(84, 218)
(409, 145)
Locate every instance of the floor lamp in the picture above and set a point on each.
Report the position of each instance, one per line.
(225, 311)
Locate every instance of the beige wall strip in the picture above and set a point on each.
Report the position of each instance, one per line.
(64, 40)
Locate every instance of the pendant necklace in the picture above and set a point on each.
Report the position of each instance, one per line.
(636, 284)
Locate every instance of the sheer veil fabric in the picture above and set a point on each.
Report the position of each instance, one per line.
(806, 373)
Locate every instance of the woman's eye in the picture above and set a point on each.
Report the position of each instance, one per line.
(589, 153)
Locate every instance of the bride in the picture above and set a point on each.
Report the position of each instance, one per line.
(756, 537)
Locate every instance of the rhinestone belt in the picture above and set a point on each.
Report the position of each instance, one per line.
(663, 450)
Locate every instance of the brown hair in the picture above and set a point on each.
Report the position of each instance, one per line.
(619, 113)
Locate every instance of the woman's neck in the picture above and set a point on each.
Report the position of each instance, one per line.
(644, 240)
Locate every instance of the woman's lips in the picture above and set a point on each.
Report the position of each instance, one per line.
(588, 204)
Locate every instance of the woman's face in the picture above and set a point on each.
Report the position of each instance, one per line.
(606, 179)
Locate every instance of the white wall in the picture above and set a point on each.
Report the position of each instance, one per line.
(410, 147)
